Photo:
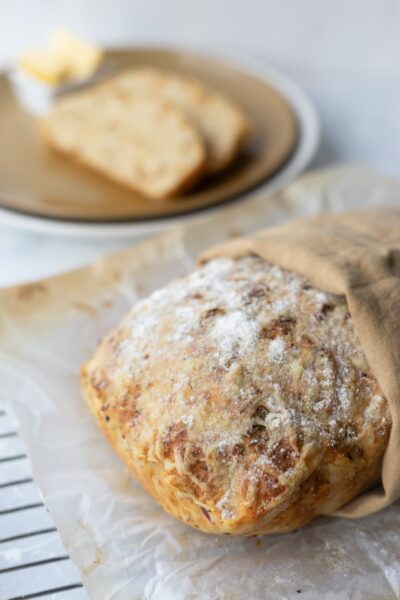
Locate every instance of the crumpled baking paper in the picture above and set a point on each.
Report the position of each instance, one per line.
(124, 545)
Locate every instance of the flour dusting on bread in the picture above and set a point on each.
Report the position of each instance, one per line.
(241, 398)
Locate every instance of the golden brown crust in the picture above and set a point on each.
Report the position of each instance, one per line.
(241, 399)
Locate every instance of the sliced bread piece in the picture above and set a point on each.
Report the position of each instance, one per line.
(223, 124)
(144, 142)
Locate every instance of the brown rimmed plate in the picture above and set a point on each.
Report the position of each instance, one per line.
(38, 182)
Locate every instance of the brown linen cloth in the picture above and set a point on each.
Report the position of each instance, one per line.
(356, 255)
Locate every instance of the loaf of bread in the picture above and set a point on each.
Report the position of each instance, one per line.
(146, 143)
(223, 125)
(240, 397)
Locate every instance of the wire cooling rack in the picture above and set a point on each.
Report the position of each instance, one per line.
(33, 560)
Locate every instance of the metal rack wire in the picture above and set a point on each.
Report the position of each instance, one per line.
(33, 560)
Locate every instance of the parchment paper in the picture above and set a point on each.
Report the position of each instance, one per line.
(124, 545)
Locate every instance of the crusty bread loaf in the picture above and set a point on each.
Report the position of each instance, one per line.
(223, 124)
(241, 398)
(145, 143)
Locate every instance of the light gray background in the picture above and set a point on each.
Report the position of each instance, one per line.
(345, 53)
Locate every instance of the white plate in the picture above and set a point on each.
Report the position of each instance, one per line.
(308, 142)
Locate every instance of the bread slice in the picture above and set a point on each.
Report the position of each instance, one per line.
(224, 126)
(144, 142)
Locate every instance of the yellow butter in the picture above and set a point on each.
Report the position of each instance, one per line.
(67, 58)
(81, 58)
(44, 66)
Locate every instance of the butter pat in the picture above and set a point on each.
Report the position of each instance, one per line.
(44, 66)
(81, 58)
(66, 59)
(42, 75)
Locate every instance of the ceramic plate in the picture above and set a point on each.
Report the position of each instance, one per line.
(42, 190)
